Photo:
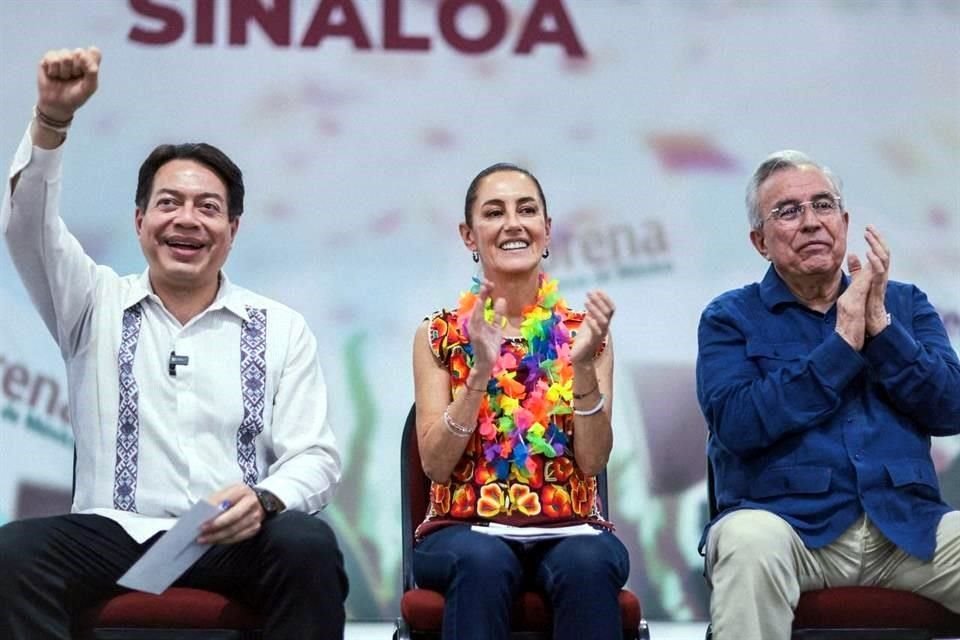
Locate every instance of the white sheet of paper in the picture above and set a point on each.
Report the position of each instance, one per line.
(172, 554)
(533, 534)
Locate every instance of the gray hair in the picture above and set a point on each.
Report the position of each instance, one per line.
(778, 161)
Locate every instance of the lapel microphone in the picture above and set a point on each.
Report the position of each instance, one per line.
(176, 360)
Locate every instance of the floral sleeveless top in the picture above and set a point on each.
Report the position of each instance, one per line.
(486, 487)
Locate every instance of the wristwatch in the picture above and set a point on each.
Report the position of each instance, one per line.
(272, 505)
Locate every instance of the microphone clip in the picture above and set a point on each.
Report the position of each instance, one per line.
(176, 360)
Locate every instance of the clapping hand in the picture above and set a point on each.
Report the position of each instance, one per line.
(851, 305)
(486, 337)
(861, 311)
(593, 331)
(878, 255)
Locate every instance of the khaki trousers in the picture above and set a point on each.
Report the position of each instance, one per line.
(758, 567)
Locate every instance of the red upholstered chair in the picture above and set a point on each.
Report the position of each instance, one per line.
(178, 614)
(847, 612)
(863, 613)
(421, 610)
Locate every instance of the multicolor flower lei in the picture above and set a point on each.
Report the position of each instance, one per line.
(518, 414)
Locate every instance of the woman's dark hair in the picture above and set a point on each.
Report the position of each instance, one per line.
(496, 168)
(207, 155)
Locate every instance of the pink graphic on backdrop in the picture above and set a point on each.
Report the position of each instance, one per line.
(690, 152)
(939, 217)
(581, 66)
(328, 127)
(107, 124)
(487, 67)
(309, 94)
(280, 210)
(319, 94)
(439, 138)
(387, 222)
(902, 156)
(298, 160)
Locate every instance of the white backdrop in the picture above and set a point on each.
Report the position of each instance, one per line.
(643, 121)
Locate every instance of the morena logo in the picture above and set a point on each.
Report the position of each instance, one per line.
(19, 384)
(166, 22)
(596, 254)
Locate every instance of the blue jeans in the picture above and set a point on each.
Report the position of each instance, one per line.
(480, 577)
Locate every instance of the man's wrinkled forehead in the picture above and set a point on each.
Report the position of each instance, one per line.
(794, 183)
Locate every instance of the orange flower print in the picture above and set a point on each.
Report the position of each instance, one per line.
(463, 471)
(463, 498)
(581, 494)
(484, 473)
(458, 367)
(523, 500)
(438, 329)
(558, 469)
(491, 501)
(556, 501)
(440, 498)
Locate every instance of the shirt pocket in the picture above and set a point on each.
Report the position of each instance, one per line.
(791, 480)
(770, 356)
(915, 476)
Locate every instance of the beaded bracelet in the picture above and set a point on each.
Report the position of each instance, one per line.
(455, 427)
(581, 396)
(45, 121)
(593, 410)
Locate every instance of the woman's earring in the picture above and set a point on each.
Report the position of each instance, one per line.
(546, 253)
(476, 256)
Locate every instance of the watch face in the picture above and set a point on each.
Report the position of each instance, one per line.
(267, 501)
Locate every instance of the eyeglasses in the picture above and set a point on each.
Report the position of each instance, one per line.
(792, 213)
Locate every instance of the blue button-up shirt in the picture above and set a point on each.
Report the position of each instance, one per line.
(804, 426)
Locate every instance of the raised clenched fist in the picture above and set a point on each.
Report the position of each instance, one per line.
(65, 81)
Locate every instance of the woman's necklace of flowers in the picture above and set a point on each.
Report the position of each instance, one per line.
(517, 418)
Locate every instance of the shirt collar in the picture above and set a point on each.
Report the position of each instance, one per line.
(229, 296)
(139, 290)
(775, 293)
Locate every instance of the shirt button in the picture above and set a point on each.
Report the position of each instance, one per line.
(859, 456)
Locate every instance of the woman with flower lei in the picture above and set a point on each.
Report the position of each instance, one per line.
(513, 395)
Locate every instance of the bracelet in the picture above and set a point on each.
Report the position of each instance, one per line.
(593, 410)
(581, 396)
(45, 121)
(469, 388)
(455, 427)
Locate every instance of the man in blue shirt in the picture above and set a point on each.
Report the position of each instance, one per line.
(821, 391)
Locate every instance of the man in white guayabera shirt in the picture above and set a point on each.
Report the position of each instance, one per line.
(183, 387)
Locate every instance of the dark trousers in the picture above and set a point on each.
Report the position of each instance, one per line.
(52, 568)
(480, 577)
